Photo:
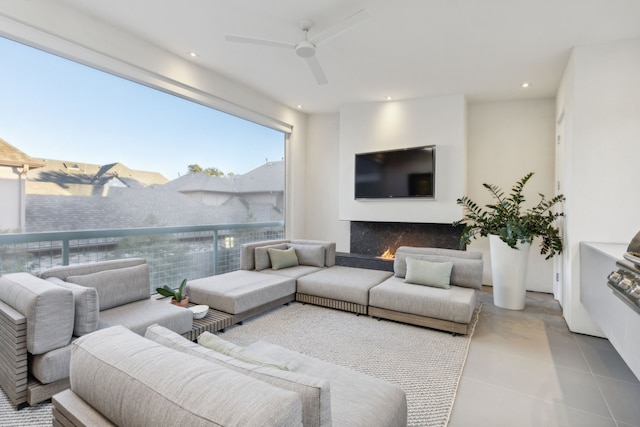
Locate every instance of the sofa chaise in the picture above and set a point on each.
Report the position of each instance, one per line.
(120, 378)
(40, 316)
(257, 287)
(305, 270)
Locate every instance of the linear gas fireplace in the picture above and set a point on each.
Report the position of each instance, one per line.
(370, 240)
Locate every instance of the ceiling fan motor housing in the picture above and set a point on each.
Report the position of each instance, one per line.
(305, 49)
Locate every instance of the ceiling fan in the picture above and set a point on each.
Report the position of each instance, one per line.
(306, 48)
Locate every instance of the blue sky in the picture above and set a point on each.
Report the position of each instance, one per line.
(52, 108)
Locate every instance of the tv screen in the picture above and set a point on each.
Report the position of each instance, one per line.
(408, 172)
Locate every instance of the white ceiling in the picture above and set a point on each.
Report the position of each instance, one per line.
(405, 49)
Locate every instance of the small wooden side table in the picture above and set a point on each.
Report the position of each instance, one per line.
(214, 321)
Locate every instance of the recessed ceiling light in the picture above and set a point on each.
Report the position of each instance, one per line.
(388, 98)
(525, 85)
(299, 107)
(193, 54)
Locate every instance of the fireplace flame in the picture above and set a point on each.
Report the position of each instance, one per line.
(387, 254)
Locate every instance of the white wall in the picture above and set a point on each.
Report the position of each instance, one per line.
(599, 104)
(368, 127)
(323, 181)
(506, 140)
(12, 212)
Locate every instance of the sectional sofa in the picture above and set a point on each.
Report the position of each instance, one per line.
(305, 271)
(165, 379)
(40, 316)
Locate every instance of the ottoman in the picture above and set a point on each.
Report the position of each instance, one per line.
(344, 288)
(242, 293)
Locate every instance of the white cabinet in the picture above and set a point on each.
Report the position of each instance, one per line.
(619, 322)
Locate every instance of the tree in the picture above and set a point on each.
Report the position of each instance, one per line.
(195, 168)
(214, 172)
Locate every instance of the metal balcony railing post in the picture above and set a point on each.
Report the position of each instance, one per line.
(65, 252)
(215, 252)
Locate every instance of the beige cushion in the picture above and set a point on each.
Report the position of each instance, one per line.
(262, 259)
(455, 304)
(427, 273)
(329, 249)
(214, 342)
(283, 258)
(239, 291)
(52, 365)
(137, 316)
(119, 286)
(48, 308)
(313, 255)
(134, 381)
(87, 306)
(313, 392)
(357, 399)
(64, 271)
(466, 270)
(248, 253)
(342, 283)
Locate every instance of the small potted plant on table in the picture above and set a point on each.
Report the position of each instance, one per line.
(177, 295)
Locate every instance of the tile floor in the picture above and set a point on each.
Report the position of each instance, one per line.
(525, 368)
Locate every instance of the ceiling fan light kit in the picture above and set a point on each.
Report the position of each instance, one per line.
(307, 48)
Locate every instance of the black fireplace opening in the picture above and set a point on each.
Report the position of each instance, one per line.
(370, 239)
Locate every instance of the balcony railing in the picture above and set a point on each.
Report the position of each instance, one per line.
(173, 253)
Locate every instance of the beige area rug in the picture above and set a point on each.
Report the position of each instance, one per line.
(38, 415)
(425, 363)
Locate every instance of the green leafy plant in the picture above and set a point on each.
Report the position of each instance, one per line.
(507, 219)
(177, 294)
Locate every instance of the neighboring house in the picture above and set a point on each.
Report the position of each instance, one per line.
(117, 207)
(263, 185)
(14, 167)
(58, 176)
(62, 196)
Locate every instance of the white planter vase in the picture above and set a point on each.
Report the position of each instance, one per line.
(509, 271)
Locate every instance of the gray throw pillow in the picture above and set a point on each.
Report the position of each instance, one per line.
(312, 255)
(119, 286)
(262, 259)
(87, 314)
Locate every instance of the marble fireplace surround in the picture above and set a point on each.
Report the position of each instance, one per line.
(370, 239)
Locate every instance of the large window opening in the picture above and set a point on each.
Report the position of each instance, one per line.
(109, 168)
(118, 154)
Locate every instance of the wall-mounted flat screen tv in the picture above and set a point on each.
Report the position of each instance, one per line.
(409, 172)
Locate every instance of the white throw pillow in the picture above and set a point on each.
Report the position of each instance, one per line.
(427, 273)
(214, 342)
(283, 258)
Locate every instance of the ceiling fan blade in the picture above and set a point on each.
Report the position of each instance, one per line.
(263, 42)
(316, 69)
(340, 27)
